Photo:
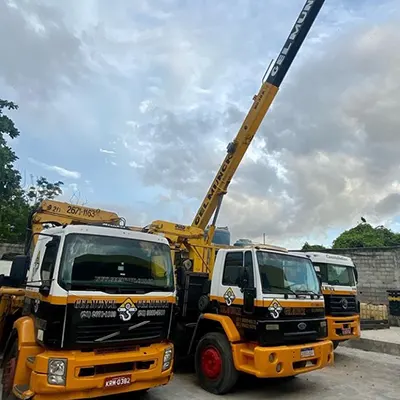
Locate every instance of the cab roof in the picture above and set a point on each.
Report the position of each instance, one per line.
(105, 230)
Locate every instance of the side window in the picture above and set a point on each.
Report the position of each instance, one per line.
(248, 262)
(232, 267)
(48, 263)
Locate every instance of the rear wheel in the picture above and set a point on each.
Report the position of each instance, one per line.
(215, 369)
(9, 366)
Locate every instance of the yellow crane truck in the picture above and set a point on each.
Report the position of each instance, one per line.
(97, 306)
(257, 309)
(339, 277)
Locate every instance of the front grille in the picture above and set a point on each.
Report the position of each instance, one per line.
(290, 332)
(339, 305)
(116, 333)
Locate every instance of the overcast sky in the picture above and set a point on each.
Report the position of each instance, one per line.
(132, 103)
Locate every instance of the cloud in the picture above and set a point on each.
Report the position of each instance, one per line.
(107, 151)
(40, 55)
(166, 86)
(59, 170)
(325, 154)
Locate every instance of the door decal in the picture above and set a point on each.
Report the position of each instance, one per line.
(229, 296)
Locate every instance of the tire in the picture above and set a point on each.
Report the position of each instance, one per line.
(214, 365)
(12, 354)
(335, 344)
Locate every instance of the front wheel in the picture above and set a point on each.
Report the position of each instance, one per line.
(335, 344)
(214, 364)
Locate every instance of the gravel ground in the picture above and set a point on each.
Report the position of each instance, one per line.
(356, 375)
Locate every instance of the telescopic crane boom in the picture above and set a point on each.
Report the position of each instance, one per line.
(57, 213)
(261, 104)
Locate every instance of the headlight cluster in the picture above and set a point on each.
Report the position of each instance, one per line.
(57, 371)
(167, 360)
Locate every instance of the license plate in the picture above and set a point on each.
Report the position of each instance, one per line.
(306, 353)
(121, 380)
(346, 331)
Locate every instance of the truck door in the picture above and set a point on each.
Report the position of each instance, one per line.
(232, 270)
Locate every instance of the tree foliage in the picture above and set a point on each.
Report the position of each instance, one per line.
(15, 202)
(365, 235)
(312, 247)
(43, 190)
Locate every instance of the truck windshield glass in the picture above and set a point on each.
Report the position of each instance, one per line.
(335, 274)
(282, 273)
(104, 262)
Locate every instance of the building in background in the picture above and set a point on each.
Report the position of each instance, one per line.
(221, 235)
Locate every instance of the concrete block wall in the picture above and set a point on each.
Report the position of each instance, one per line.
(378, 271)
(11, 248)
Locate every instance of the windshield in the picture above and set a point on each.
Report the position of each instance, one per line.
(334, 274)
(282, 273)
(116, 264)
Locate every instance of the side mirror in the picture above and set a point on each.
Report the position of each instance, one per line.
(243, 279)
(44, 289)
(249, 296)
(55, 241)
(319, 279)
(19, 269)
(356, 274)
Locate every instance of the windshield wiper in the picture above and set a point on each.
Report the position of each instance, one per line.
(282, 288)
(81, 285)
(308, 292)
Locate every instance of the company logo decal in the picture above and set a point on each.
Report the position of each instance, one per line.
(275, 309)
(229, 296)
(127, 309)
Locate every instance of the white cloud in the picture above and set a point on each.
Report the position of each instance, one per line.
(107, 151)
(59, 170)
(167, 86)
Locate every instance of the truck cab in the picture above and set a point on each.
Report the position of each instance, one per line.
(339, 277)
(96, 317)
(261, 311)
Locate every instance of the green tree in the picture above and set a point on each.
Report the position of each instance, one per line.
(365, 235)
(312, 247)
(43, 190)
(11, 194)
(15, 203)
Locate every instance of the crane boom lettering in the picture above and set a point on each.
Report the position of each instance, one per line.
(261, 104)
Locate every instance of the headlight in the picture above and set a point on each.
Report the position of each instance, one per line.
(57, 371)
(167, 360)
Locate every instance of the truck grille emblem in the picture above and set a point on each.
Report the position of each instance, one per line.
(302, 326)
(344, 303)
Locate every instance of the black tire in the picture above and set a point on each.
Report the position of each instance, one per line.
(222, 376)
(335, 344)
(6, 393)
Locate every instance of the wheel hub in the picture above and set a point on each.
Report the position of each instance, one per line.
(211, 362)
